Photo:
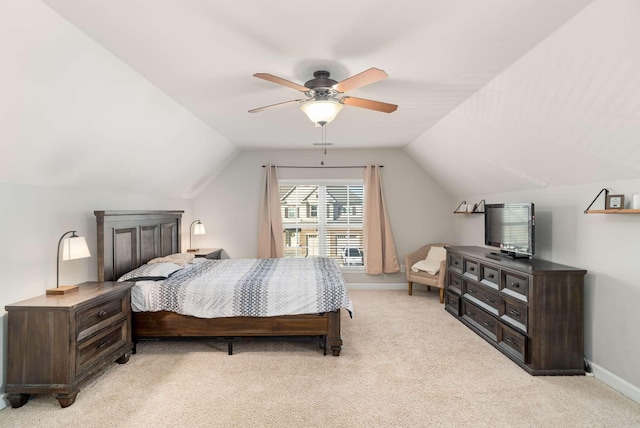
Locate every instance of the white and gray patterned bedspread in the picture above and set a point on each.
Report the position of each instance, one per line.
(247, 287)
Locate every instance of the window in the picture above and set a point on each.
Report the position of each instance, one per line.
(327, 220)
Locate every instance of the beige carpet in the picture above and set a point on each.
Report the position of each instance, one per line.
(405, 363)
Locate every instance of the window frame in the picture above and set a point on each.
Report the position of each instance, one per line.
(323, 227)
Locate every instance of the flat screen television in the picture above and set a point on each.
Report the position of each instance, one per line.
(510, 227)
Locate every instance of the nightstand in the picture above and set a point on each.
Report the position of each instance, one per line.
(208, 253)
(57, 343)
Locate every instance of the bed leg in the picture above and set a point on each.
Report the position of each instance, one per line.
(333, 339)
(230, 346)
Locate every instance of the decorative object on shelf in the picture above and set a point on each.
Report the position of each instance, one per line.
(480, 207)
(635, 202)
(198, 229)
(614, 202)
(74, 247)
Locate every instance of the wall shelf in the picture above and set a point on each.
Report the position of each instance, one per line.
(612, 211)
(477, 208)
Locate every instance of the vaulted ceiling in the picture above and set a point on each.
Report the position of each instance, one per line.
(493, 95)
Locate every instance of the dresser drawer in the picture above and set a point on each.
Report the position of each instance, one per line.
(454, 262)
(96, 317)
(91, 350)
(512, 342)
(471, 269)
(452, 303)
(490, 277)
(482, 320)
(454, 283)
(482, 296)
(515, 314)
(516, 286)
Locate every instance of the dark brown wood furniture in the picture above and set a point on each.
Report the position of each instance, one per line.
(208, 253)
(128, 239)
(56, 343)
(531, 310)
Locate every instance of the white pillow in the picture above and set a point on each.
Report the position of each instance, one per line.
(152, 272)
(431, 264)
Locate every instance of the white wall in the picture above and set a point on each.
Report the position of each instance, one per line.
(33, 219)
(606, 245)
(418, 207)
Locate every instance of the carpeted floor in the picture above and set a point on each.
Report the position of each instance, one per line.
(405, 363)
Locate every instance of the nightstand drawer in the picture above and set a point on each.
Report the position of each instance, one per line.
(96, 317)
(455, 262)
(471, 269)
(91, 350)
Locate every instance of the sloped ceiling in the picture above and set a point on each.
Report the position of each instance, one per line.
(493, 95)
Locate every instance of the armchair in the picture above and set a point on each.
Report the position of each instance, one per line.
(422, 277)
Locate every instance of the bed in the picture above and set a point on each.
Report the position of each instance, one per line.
(126, 240)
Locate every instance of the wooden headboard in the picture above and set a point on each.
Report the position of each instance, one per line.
(129, 239)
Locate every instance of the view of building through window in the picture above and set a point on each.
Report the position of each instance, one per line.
(323, 220)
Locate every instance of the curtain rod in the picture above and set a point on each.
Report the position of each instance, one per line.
(325, 167)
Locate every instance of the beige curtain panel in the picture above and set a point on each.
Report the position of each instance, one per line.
(379, 249)
(270, 240)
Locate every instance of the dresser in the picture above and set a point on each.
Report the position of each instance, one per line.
(530, 310)
(57, 343)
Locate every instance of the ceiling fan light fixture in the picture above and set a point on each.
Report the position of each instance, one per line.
(321, 110)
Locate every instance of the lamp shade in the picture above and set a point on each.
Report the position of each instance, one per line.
(321, 110)
(75, 247)
(198, 229)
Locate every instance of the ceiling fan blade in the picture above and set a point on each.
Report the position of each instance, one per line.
(361, 79)
(281, 81)
(259, 109)
(370, 104)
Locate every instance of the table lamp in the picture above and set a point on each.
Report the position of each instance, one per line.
(198, 229)
(73, 247)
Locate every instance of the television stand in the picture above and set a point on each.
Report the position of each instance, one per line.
(530, 310)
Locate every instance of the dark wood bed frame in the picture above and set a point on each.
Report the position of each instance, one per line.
(129, 239)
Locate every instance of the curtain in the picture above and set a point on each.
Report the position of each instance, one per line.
(270, 239)
(379, 249)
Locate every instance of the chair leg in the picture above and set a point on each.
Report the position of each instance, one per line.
(410, 288)
(442, 295)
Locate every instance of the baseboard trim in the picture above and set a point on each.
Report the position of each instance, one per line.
(616, 382)
(377, 286)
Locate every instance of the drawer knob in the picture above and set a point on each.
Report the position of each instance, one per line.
(455, 263)
(471, 291)
(470, 313)
(515, 284)
(472, 268)
(103, 344)
(489, 299)
(514, 313)
(490, 275)
(488, 324)
(102, 314)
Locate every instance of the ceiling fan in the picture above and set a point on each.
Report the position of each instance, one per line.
(324, 95)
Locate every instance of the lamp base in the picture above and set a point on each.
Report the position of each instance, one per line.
(193, 250)
(64, 289)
